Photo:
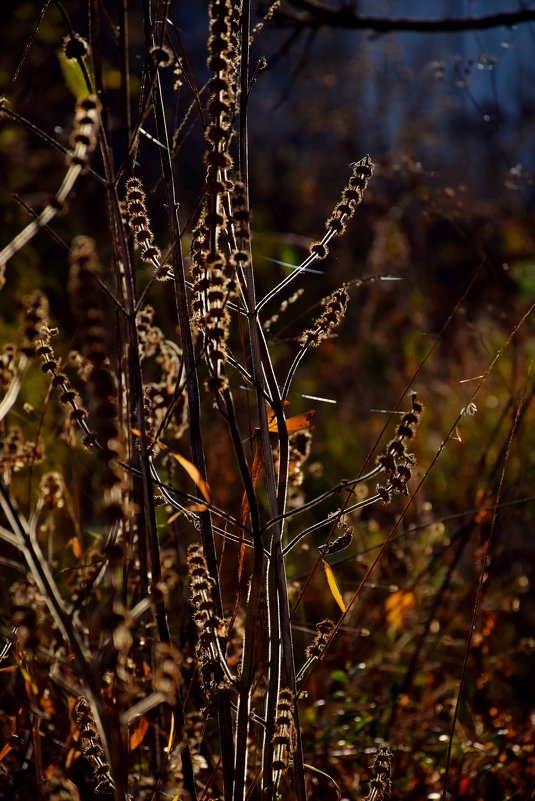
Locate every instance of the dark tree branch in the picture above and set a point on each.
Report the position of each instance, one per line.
(315, 14)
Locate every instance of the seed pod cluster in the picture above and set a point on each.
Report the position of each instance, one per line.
(396, 461)
(162, 56)
(85, 131)
(51, 490)
(339, 543)
(272, 8)
(165, 396)
(213, 232)
(284, 738)
(300, 445)
(381, 784)
(7, 365)
(17, 452)
(75, 47)
(222, 62)
(114, 621)
(352, 195)
(333, 313)
(344, 210)
(209, 626)
(91, 746)
(222, 48)
(211, 289)
(35, 317)
(323, 631)
(138, 220)
(68, 395)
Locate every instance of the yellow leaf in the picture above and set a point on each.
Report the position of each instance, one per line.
(171, 734)
(333, 586)
(73, 75)
(190, 468)
(397, 605)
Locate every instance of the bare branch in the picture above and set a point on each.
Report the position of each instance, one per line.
(315, 14)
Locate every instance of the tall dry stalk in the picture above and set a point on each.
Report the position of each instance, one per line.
(171, 675)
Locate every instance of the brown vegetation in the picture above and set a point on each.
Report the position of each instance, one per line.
(264, 534)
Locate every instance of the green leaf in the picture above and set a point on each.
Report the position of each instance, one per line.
(73, 75)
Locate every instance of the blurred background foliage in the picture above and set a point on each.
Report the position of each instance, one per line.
(449, 120)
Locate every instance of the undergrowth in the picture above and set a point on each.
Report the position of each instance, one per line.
(192, 608)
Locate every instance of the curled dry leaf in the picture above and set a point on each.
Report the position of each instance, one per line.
(190, 468)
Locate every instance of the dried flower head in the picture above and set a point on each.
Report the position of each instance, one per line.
(91, 746)
(75, 47)
(85, 131)
(138, 219)
(323, 632)
(333, 313)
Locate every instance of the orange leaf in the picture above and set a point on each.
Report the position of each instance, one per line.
(195, 507)
(7, 747)
(5, 751)
(71, 754)
(397, 605)
(299, 422)
(136, 738)
(47, 705)
(333, 586)
(190, 468)
(146, 670)
(194, 474)
(74, 543)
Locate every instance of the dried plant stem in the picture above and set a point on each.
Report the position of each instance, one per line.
(38, 566)
(223, 701)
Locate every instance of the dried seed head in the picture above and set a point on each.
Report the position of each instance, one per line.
(51, 489)
(396, 461)
(339, 543)
(7, 365)
(300, 445)
(284, 737)
(91, 745)
(75, 47)
(417, 406)
(334, 309)
(380, 784)
(138, 220)
(35, 318)
(85, 129)
(352, 195)
(319, 250)
(323, 631)
(162, 56)
(384, 493)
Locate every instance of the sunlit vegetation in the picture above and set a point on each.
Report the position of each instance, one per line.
(266, 414)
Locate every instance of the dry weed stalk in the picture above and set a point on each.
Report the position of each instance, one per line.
(122, 644)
